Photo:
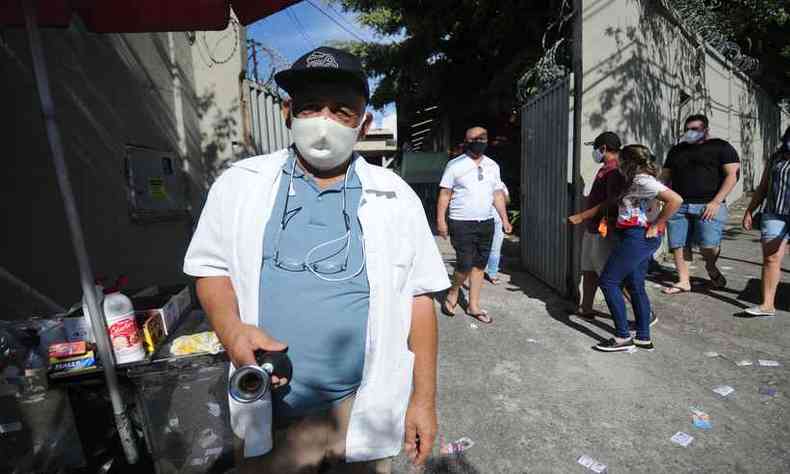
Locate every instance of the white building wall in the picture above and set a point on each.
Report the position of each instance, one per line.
(637, 64)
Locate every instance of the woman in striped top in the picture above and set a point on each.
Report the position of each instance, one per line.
(775, 223)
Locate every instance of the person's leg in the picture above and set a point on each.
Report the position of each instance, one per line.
(773, 252)
(678, 231)
(635, 282)
(484, 233)
(589, 288)
(621, 263)
(709, 238)
(462, 240)
(339, 417)
(775, 235)
(298, 447)
(492, 267)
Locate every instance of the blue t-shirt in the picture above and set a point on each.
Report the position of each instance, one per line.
(324, 323)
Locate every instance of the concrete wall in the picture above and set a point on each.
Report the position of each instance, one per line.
(638, 63)
(219, 59)
(109, 91)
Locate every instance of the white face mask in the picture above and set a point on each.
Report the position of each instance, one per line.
(597, 155)
(693, 136)
(322, 142)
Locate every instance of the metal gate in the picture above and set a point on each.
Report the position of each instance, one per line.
(546, 185)
(269, 132)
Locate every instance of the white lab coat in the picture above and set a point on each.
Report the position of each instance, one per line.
(402, 261)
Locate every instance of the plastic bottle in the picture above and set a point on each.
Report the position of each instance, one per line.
(122, 328)
(85, 330)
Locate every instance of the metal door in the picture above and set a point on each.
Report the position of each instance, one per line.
(546, 186)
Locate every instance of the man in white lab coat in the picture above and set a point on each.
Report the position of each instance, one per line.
(313, 249)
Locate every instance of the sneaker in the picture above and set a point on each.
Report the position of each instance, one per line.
(758, 311)
(644, 345)
(613, 346)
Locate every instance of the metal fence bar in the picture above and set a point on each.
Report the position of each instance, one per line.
(544, 181)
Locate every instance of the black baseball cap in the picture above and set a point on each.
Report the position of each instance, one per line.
(610, 139)
(321, 64)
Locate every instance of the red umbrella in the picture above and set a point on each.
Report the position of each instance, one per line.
(113, 16)
(138, 16)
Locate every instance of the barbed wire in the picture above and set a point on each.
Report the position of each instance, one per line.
(702, 20)
(268, 59)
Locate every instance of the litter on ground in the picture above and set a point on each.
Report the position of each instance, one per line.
(700, 419)
(711, 354)
(744, 363)
(723, 390)
(768, 363)
(455, 447)
(592, 464)
(683, 439)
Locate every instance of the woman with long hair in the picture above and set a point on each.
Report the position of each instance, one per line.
(641, 220)
(775, 223)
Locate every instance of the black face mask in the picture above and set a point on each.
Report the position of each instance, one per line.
(476, 148)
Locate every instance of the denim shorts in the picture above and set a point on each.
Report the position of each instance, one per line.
(774, 227)
(686, 227)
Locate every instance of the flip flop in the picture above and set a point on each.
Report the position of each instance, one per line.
(675, 290)
(492, 280)
(447, 311)
(482, 314)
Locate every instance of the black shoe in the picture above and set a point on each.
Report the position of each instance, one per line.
(613, 346)
(644, 345)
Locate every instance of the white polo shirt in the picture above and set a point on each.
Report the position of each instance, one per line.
(473, 187)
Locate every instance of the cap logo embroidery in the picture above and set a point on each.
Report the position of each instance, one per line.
(321, 59)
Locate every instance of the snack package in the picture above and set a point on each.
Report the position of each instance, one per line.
(194, 343)
(68, 364)
(67, 349)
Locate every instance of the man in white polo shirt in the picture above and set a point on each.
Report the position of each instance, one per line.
(470, 183)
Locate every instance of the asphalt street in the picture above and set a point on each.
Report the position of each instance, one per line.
(534, 397)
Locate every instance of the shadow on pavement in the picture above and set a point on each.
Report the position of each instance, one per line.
(450, 465)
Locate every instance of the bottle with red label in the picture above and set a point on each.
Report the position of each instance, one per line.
(127, 343)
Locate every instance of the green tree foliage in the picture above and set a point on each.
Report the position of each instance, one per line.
(762, 30)
(452, 50)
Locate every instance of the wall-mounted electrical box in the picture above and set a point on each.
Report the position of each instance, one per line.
(157, 186)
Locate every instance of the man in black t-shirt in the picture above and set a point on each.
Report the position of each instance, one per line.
(703, 171)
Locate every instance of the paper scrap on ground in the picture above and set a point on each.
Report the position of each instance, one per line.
(592, 464)
(711, 354)
(700, 419)
(766, 392)
(744, 363)
(723, 390)
(455, 447)
(213, 452)
(531, 340)
(474, 326)
(683, 439)
(768, 363)
(213, 408)
(630, 350)
(174, 422)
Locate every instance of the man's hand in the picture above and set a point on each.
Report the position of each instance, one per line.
(575, 219)
(651, 232)
(421, 428)
(507, 227)
(441, 229)
(244, 339)
(711, 211)
(747, 220)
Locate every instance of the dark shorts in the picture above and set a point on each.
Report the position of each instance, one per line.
(472, 243)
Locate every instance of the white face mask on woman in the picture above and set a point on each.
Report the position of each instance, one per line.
(322, 142)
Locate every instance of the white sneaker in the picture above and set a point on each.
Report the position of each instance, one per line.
(757, 311)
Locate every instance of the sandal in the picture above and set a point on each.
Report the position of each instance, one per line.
(447, 310)
(492, 280)
(482, 316)
(676, 290)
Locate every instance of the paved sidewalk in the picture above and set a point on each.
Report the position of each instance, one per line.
(534, 396)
